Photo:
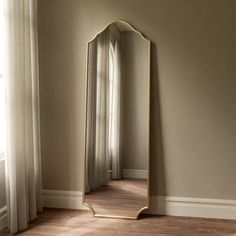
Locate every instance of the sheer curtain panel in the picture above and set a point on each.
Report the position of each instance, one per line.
(97, 129)
(115, 126)
(2, 91)
(23, 157)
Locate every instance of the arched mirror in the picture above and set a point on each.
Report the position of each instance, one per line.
(116, 181)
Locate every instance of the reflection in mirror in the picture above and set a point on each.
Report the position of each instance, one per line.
(117, 122)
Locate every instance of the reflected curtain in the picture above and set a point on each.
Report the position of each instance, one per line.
(104, 111)
(23, 157)
(115, 124)
(97, 114)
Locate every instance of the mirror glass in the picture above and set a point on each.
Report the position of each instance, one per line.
(117, 123)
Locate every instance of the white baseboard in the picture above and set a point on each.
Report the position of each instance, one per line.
(160, 205)
(193, 207)
(63, 199)
(3, 217)
(135, 174)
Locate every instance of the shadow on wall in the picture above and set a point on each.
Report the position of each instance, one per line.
(157, 169)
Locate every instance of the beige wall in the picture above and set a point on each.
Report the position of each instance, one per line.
(135, 98)
(2, 185)
(193, 124)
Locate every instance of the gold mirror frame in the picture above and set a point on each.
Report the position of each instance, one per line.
(85, 134)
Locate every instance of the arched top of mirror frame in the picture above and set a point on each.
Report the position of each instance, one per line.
(121, 22)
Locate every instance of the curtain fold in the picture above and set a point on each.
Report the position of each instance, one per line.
(97, 114)
(115, 139)
(23, 156)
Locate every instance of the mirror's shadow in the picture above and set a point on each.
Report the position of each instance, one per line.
(117, 122)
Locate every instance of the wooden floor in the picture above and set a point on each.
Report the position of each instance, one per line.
(123, 198)
(72, 222)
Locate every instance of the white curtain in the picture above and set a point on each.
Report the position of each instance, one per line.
(115, 123)
(104, 111)
(2, 89)
(23, 157)
(97, 115)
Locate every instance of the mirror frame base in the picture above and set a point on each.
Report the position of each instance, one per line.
(116, 216)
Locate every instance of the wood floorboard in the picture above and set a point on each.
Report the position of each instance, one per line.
(73, 222)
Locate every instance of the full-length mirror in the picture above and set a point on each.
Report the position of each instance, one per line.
(117, 122)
